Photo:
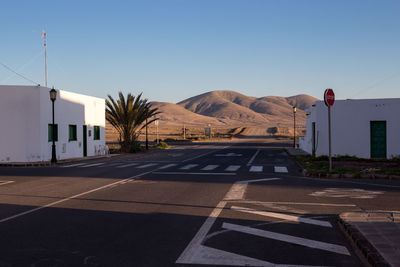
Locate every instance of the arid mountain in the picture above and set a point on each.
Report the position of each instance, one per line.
(233, 106)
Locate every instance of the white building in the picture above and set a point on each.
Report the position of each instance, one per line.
(26, 124)
(365, 128)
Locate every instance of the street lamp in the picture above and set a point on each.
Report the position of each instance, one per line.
(53, 96)
(294, 126)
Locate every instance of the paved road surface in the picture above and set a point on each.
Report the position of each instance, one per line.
(235, 204)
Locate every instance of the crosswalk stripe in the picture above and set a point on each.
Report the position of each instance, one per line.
(91, 165)
(146, 165)
(168, 166)
(256, 168)
(209, 167)
(280, 169)
(189, 166)
(127, 165)
(233, 168)
(73, 165)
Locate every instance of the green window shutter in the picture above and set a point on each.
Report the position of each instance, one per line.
(50, 132)
(96, 134)
(72, 133)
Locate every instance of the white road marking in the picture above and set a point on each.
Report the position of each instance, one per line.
(288, 238)
(253, 157)
(188, 167)
(146, 166)
(72, 165)
(347, 192)
(197, 173)
(238, 189)
(6, 182)
(167, 166)
(280, 169)
(232, 168)
(228, 155)
(91, 165)
(256, 168)
(196, 253)
(291, 218)
(73, 197)
(127, 165)
(201, 155)
(210, 167)
(297, 203)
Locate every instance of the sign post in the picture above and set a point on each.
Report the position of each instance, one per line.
(329, 99)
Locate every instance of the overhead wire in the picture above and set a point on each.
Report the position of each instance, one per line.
(20, 75)
(29, 62)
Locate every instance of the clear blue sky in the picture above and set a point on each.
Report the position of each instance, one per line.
(175, 49)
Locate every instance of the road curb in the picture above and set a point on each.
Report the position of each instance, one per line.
(368, 251)
(59, 162)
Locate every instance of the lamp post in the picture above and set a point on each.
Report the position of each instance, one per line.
(53, 96)
(294, 127)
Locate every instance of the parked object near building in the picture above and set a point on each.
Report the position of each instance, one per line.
(26, 124)
(365, 128)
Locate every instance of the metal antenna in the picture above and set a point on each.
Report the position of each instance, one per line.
(45, 55)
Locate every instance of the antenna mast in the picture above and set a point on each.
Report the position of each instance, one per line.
(45, 55)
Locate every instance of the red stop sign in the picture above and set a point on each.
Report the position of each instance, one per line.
(329, 97)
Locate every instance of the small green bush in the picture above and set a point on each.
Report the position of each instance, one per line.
(162, 145)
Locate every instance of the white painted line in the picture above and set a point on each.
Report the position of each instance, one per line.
(91, 165)
(72, 165)
(228, 155)
(256, 168)
(197, 173)
(288, 238)
(201, 155)
(232, 168)
(146, 166)
(72, 197)
(6, 182)
(188, 167)
(280, 169)
(298, 203)
(167, 166)
(253, 158)
(291, 218)
(190, 252)
(210, 167)
(211, 256)
(127, 165)
(260, 180)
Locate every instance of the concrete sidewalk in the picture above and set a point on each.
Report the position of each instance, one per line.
(376, 234)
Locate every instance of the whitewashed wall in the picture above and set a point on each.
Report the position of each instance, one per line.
(351, 126)
(28, 141)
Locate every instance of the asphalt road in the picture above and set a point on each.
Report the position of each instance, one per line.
(234, 204)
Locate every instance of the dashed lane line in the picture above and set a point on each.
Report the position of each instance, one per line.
(91, 165)
(188, 166)
(127, 165)
(280, 169)
(288, 238)
(209, 167)
(168, 166)
(146, 166)
(72, 165)
(256, 168)
(232, 168)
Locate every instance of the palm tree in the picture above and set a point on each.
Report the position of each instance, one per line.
(129, 116)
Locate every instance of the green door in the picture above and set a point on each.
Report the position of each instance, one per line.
(84, 140)
(378, 139)
(314, 148)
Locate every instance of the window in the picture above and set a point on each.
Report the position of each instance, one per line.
(96, 132)
(50, 132)
(72, 133)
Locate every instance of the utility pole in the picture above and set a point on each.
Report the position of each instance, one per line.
(294, 127)
(147, 139)
(45, 55)
(184, 132)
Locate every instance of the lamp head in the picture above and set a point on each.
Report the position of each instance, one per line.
(53, 94)
(294, 110)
